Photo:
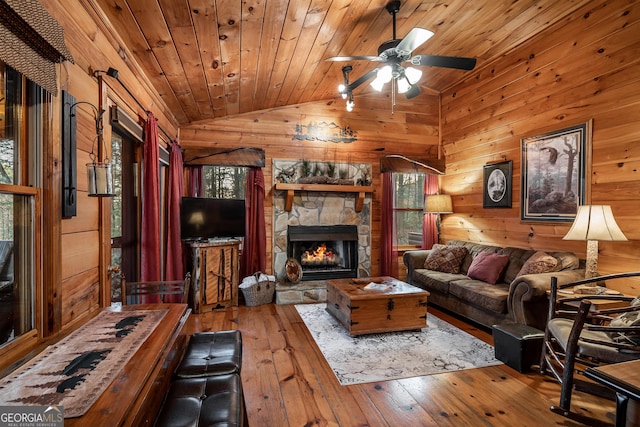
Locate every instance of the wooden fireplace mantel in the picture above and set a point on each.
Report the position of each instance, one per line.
(361, 191)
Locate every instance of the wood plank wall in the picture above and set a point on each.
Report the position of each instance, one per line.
(585, 67)
(94, 47)
(411, 130)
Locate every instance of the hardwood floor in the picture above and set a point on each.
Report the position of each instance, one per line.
(287, 382)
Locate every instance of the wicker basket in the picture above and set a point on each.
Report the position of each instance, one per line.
(258, 289)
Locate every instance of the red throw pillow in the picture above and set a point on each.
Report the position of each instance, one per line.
(488, 267)
(446, 259)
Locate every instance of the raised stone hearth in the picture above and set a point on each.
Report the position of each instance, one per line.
(304, 292)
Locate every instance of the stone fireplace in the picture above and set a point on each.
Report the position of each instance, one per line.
(323, 209)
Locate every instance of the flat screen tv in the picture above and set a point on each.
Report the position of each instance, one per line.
(204, 218)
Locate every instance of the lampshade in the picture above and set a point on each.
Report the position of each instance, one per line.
(438, 203)
(99, 179)
(595, 222)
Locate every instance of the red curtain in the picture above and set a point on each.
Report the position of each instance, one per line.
(429, 227)
(174, 265)
(255, 242)
(195, 181)
(388, 252)
(150, 251)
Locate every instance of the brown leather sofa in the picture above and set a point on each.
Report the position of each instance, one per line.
(207, 389)
(519, 298)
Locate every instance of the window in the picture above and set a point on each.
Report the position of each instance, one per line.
(124, 212)
(408, 208)
(224, 182)
(21, 135)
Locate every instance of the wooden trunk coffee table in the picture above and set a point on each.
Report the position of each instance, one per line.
(377, 304)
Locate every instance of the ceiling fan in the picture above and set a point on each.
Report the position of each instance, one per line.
(392, 54)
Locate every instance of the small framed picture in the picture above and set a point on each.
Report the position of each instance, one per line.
(497, 185)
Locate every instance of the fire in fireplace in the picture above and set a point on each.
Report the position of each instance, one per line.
(324, 252)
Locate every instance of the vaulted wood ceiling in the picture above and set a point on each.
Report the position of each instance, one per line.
(214, 58)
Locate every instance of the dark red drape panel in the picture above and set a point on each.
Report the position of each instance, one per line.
(174, 265)
(429, 228)
(388, 252)
(195, 182)
(255, 242)
(150, 256)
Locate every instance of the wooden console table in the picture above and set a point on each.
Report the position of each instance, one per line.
(135, 395)
(216, 267)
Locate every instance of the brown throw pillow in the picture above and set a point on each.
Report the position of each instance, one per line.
(446, 259)
(539, 262)
(488, 267)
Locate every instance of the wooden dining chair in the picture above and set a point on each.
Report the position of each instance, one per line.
(135, 292)
(587, 331)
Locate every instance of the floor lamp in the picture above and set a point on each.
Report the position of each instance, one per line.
(594, 223)
(438, 204)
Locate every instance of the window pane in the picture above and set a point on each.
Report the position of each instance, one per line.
(10, 105)
(16, 266)
(409, 190)
(224, 182)
(408, 227)
(116, 200)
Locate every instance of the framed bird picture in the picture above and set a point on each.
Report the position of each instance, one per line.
(555, 174)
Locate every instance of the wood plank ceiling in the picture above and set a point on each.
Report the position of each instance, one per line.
(214, 58)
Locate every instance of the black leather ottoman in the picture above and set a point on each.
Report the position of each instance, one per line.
(211, 353)
(518, 346)
(207, 401)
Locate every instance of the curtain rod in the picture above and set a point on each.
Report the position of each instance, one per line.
(112, 72)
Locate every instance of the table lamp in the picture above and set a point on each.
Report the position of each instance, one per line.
(438, 204)
(594, 223)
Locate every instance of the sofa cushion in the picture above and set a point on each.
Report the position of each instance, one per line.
(540, 262)
(435, 280)
(517, 258)
(566, 260)
(445, 259)
(473, 249)
(488, 267)
(479, 294)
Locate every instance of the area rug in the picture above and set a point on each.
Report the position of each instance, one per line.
(76, 370)
(438, 348)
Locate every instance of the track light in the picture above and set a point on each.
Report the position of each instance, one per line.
(350, 103)
(342, 90)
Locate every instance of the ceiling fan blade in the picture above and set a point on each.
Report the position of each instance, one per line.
(363, 79)
(457, 62)
(354, 58)
(415, 38)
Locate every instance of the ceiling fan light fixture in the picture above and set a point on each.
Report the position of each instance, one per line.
(377, 84)
(385, 74)
(403, 85)
(413, 75)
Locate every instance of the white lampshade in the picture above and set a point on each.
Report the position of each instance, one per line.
(385, 74)
(413, 75)
(438, 203)
(595, 222)
(403, 85)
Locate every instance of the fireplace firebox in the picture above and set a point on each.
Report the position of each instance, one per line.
(324, 251)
